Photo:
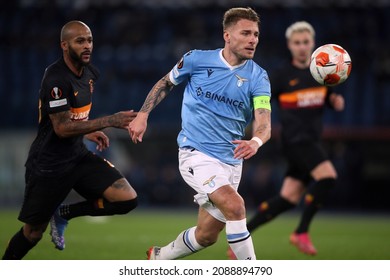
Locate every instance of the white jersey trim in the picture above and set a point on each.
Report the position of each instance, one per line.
(227, 63)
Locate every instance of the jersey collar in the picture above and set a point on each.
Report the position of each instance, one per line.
(227, 63)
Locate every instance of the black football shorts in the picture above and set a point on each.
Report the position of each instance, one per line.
(303, 158)
(90, 177)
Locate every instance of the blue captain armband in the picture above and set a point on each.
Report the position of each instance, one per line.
(262, 102)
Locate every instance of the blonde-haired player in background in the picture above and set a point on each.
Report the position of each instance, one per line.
(310, 174)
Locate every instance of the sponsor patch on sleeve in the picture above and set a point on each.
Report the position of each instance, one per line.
(58, 103)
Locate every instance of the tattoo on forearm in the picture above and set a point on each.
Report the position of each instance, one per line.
(264, 124)
(159, 91)
(62, 122)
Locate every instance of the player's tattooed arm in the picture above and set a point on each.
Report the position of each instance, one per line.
(64, 126)
(262, 124)
(159, 91)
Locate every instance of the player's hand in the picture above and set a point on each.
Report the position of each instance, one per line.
(138, 127)
(337, 102)
(100, 138)
(245, 149)
(122, 119)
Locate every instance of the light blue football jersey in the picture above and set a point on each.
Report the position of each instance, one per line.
(217, 102)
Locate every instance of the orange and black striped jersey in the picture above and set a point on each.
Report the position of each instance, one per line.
(61, 90)
(301, 103)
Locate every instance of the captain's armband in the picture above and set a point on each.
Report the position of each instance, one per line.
(262, 102)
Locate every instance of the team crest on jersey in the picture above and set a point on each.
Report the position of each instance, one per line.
(210, 182)
(56, 93)
(240, 81)
(91, 87)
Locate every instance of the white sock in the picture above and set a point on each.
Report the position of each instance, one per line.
(185, 244)
(240, 240)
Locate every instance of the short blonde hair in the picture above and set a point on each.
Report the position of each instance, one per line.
(299, 26)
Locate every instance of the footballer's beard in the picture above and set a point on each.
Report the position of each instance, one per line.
(245, 54)
(77, 59)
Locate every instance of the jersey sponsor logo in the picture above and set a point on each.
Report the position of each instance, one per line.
(240, 81)
(58, 103)
(76, 93)
(199, 91)
(210, 181)
(80, 114)
(220, 98)
(303, 98)
(209, 72)
(56, 93)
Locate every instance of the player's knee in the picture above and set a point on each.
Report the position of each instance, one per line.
(292, 197)
(235, 210)
(124, 207)
(292, 191)
(33, 233)
(35, 236)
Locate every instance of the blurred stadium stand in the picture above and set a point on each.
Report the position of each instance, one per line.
(137, 42)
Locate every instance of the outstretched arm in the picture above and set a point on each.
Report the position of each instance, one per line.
(159, 91)
(261, 134)
(65, 127)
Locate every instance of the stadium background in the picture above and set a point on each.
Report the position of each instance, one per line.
(137, 42)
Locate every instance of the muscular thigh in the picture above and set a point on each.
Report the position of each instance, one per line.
(292, 189)
(207, 175)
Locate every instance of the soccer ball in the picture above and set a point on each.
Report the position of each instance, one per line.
(330, 65)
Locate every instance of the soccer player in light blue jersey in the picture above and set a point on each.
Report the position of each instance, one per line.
(225, 89)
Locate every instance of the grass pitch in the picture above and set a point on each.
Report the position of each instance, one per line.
(337, 236)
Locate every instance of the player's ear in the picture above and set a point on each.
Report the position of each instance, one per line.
(226, 36)
(64, 45)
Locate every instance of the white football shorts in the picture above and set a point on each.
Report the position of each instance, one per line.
(206, 174)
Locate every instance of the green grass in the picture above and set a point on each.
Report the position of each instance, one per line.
(336, 236)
